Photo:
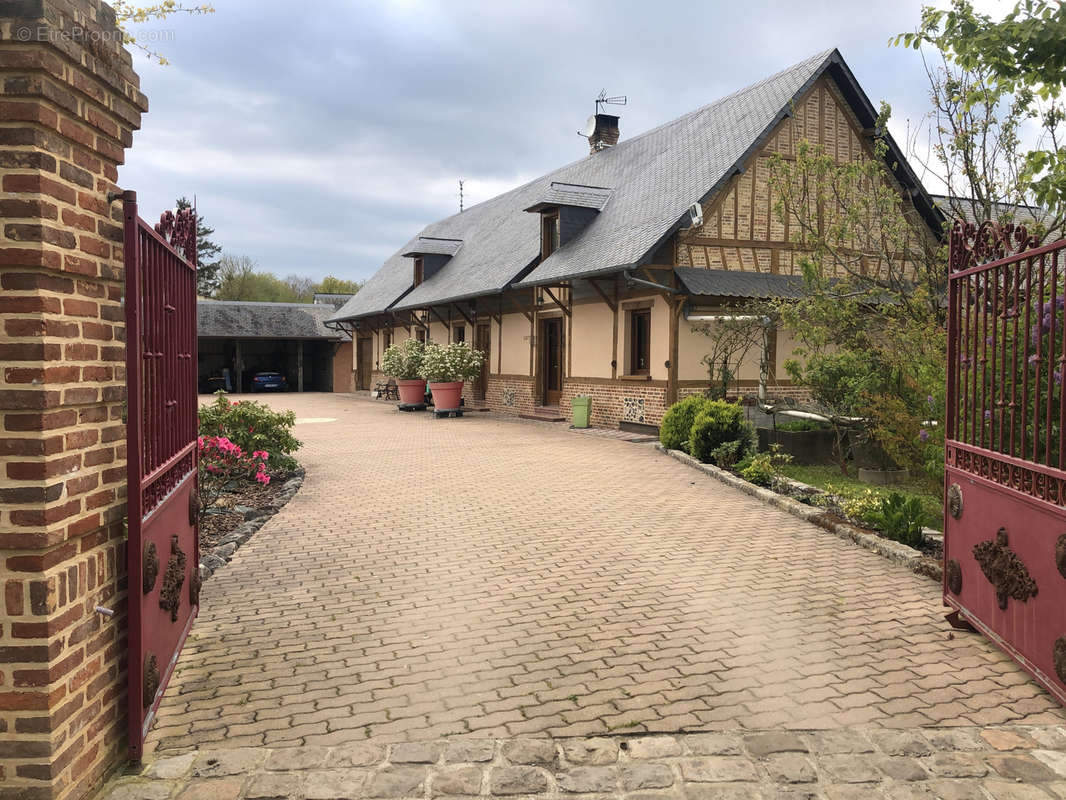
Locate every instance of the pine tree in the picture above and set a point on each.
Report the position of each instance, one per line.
(207, 255)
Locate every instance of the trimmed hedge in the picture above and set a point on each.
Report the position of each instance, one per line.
(676, 427)
(717, 422)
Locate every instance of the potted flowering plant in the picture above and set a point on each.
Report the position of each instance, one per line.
(404, 363)
(446, 367)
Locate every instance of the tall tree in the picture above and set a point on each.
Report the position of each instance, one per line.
(207, 253)
(333, 285)
(999, 80)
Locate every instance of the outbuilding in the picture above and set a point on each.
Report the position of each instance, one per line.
(237, 339)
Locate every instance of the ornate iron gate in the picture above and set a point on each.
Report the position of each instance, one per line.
(1005, 510)
(162, 552)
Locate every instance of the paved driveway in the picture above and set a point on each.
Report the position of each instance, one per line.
(476, 575)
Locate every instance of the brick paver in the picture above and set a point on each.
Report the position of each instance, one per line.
(490, 578)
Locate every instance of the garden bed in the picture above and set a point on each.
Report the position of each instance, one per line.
(238, 513)
(798, 500)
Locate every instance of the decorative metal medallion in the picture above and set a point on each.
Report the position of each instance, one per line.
(1004, 570)
(194, 587)
(194, 505)
(149, 567)
(1060, 658)
(954, 577)
(180, 231)
(955, 500)
(173, 579)
(1060, 555)
(151, 680)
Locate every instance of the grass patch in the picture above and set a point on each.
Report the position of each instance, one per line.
(822, 476)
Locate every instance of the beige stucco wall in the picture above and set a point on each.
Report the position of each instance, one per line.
(514, 345)
(693, 346)
(591, 341)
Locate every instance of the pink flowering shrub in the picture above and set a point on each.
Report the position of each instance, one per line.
(223, 462)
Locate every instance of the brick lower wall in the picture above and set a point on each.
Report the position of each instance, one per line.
(71, 104)
(510, 394)
(615, 401)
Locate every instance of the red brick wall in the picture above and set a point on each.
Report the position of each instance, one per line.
(69, 107)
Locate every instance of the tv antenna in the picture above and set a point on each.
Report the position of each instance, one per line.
(460, 195)
(602, 99)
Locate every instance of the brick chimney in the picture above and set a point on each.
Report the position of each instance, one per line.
(605, 134)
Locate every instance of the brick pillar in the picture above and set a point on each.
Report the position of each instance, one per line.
(69, 103)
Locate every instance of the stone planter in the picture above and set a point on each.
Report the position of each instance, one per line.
(805, 447)
(412, 392)
(883, 477)
(447, 396)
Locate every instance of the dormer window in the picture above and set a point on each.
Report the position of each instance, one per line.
(419, 271)
(549, 237)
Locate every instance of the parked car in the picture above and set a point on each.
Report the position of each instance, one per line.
(269, 382)
(213, 384)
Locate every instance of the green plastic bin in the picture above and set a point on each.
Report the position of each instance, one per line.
(581, 407)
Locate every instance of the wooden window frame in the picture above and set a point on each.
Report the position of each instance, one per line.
(549, 223)
(420, 271)
(632, 357)
(420, 335)
(458, 334)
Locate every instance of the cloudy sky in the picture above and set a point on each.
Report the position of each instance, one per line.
(319, 136)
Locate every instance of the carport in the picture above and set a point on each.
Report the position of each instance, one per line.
(238, 339)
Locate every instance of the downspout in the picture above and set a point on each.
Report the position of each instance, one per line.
(630, 279)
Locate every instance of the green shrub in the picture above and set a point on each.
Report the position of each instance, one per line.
(717, 422)
(760, 470)
(676, 427)
(900, 519)
(727, 455)
(253, 427)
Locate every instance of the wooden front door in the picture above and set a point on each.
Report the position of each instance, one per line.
(364, 361)
(551, 360)
(483, 342)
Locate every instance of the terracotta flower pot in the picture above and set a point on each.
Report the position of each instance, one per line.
(412, 392)
(447, 396)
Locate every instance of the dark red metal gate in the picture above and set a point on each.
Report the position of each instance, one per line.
(162, 551)
(1005, 509)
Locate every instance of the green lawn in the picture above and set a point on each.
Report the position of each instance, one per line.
(822, 476)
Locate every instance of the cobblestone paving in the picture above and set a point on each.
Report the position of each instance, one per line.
(478, 576)
(949, 763)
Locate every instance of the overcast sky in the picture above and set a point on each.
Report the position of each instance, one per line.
(319, 136)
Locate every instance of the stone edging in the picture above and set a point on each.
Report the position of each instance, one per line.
(254, 519)
(893, 551)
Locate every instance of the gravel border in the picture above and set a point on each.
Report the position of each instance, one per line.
(893, 551)
(254, 518)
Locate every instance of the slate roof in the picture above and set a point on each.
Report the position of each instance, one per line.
(233, 319)
(331, 298)
(427, 245)
(739, 283)
(972, 213)
(572, 194)
(653, 179)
